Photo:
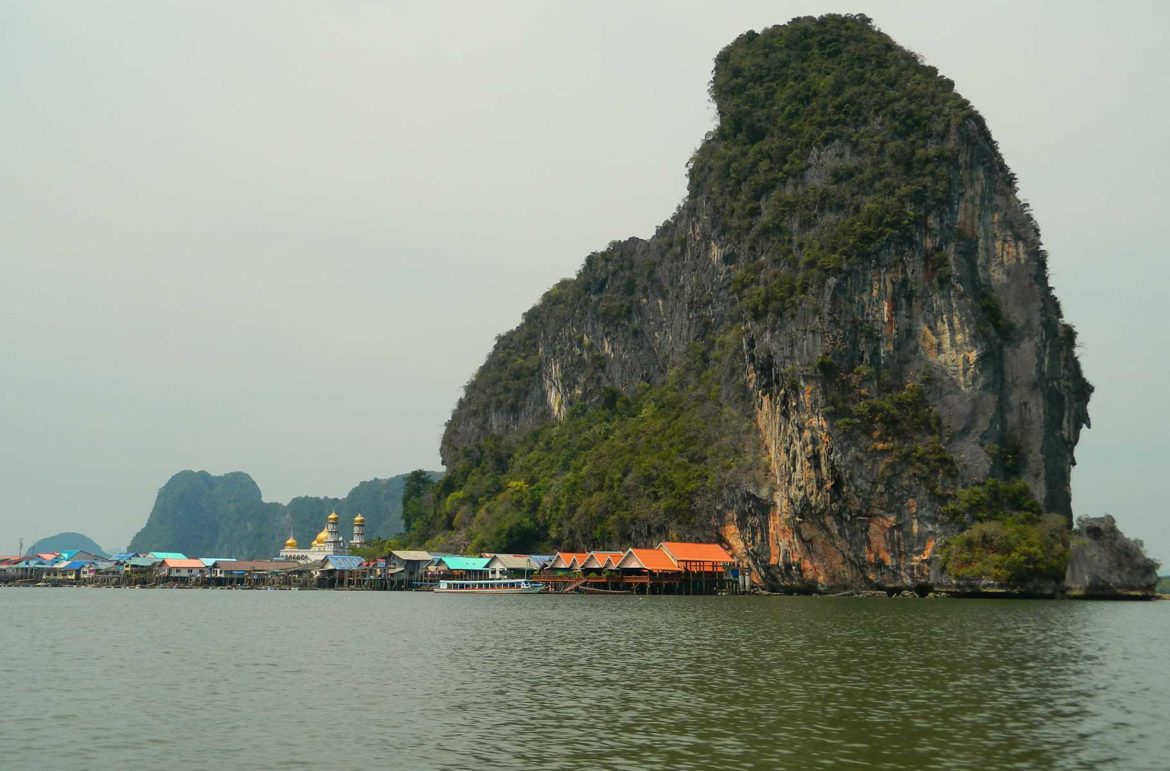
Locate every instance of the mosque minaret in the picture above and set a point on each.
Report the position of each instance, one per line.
(327, 542)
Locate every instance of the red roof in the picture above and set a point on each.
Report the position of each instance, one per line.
(652, 559)
(696, 552)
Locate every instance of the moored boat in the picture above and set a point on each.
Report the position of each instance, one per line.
(490, 586)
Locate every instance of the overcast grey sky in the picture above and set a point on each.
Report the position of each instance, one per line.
(279, 237)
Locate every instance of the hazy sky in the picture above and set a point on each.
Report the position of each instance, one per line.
(279, 237)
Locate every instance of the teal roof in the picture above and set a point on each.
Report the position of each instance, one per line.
(465, 563)
(168, 555)
(141, 562)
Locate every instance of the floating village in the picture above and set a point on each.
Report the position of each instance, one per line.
(670, 567)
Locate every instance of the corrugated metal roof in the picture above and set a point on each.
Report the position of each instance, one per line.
(465, 563)
(35, 562)
(413, 556)
(168, 555)
(342, 562)
(540, 560)
(122, 556)
(510, 561)
(142, 562)
(209, 561)
(255, 566)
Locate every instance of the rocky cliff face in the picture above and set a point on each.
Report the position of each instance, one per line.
(1105, 564)
(853, 246)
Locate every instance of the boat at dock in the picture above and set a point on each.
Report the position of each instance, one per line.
(490, 586)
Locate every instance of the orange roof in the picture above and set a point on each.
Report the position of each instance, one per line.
(169, 563)
(571, 559)
(696, 552)
(651, 559)
(575, 558)
(602, 557)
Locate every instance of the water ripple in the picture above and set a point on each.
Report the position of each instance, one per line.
(284, 679)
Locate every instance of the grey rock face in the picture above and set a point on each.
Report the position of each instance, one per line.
(1105, 564)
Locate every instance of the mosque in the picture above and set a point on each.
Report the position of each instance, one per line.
(327, 542)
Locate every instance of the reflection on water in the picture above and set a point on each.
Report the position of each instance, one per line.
(287, 679)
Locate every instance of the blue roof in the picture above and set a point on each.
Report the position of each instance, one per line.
(541, 560)
(74, 565)
(122, 556)
(168, 555)
(67, 554)
(465, 563)
(344, 561)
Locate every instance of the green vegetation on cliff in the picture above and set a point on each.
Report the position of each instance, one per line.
(901, 424)
(832, 144)
(1009, 539)
(630, 469)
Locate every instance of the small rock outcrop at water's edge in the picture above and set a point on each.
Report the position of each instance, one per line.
(1104, 564)
(841, 356)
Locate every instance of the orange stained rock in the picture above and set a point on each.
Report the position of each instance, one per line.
(877, 548)
(731, 534)
(928, 549)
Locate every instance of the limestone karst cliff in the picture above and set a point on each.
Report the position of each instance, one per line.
(207, 515)
(846, 323)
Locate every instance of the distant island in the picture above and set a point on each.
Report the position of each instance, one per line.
(196, 512)
(66, 542)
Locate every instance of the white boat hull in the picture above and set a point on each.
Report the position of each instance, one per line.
(489, 587)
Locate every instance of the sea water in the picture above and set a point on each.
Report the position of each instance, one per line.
(108, 678)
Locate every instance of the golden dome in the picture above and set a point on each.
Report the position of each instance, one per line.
(291, 543)
(359, 520)
(322, 537)
(333, 517)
